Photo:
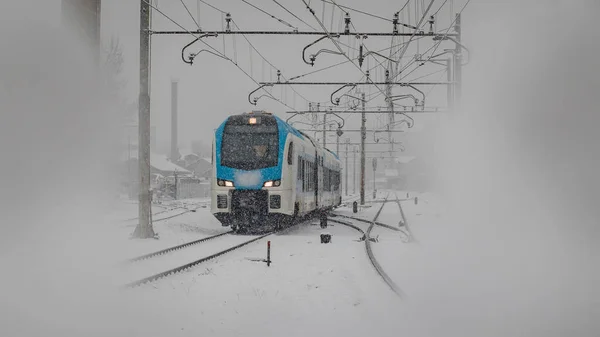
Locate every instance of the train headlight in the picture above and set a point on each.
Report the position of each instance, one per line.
(272, 183)
(225, 183)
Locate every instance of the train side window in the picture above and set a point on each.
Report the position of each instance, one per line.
(290, 153)
(301, 172)
(308, 176)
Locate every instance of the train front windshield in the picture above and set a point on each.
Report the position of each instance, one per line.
(250, 147)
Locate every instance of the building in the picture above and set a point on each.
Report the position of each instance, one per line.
(160, 167)
(200, 167)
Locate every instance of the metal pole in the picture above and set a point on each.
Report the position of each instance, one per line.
(144, 228)
(337, 144)
(174, 151)
(347, 142)
(449, 91)
(390, 105)
(354, 174)
(129, 180)
(363, 136)
(324, 130)
(314, 120)
(457, 65)
(98, 29)
(374, 184)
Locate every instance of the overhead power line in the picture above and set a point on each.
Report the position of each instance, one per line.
(356, 10)
(213, 7)
(415, 31)
(440, 8)
(271, 15)
(266, 60)
(190, 13)
(336, 44)
(219, 53)
(406, 4)
(294, 15)
(299, 32)
(434, 47)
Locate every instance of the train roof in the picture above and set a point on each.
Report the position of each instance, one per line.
(333, 153)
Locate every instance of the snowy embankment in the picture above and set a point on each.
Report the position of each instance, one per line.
(176, 222)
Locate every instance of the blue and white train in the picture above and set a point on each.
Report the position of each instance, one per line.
(266, 173)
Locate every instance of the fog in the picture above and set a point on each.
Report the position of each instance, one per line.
(59, 141)
(517, 165)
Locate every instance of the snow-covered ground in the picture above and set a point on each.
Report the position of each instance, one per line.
(309, 289)
(176, 222)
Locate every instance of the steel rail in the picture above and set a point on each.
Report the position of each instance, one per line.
(174, 248)
(367, 238)
(367, 221)
(202, 260)
(404, 220)
(388, 280)
(192, 264)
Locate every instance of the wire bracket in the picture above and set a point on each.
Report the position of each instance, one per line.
(337, 100)
(314, 56)
(191, 57)
(253, 102)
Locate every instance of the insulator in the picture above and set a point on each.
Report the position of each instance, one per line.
(431, 22)
(360, 55)
(347, 20)
(228, 20)
(395, 21)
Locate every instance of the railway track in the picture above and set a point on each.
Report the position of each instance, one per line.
(217, 246)
(407, 231)
(169, 208)
(175, 248)
(367, 221)
(367, 239)
(388, 280)
(187, 210)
